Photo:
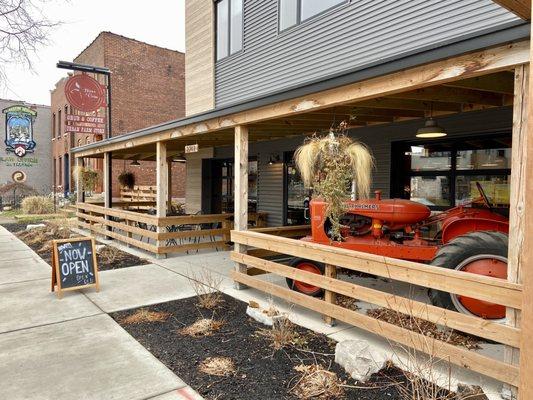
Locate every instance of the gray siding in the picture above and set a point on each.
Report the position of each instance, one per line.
(378, 138)
(352, 36)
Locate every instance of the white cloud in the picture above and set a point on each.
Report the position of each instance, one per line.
(159, 22)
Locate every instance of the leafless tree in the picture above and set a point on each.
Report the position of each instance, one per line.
(24, 28)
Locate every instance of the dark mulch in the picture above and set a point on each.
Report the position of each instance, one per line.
(261, 372)
(108, 260)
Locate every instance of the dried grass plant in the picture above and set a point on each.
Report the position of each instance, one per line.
(217, 366)
(37, 205)
(330, 165)
(207, 285)
(110, 254)
(144, 315)
(316, 382)
(202, 327)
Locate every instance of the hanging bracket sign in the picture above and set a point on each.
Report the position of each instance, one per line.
(191, 148)
(74, 265)
(85, 93)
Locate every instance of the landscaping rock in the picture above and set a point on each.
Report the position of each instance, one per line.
(34, 226)
(465, 392)
(263, 317)
(357, 359)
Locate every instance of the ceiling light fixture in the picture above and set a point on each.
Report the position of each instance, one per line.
(135, 163)
(431, 129)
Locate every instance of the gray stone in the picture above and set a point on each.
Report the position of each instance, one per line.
(261, 316)
(357, 359)
(29, 227)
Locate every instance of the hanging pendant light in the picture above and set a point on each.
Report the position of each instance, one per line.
(179, 159)
(135, 163)
(431, 129)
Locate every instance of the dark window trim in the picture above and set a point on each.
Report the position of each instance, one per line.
(455, 142)
(230, 54)
(299, 20)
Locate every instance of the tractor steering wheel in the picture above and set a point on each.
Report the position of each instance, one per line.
(484, 196)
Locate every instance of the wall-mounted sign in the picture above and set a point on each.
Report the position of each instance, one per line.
(191, 148)
(19, 130)
(18, 176)
(85, 124)
(74, 264)
(85, 93)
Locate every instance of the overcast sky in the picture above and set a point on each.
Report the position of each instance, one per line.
(159, 22)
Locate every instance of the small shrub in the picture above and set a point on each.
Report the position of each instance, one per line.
(282, 334)
(206, 285)
(37, 205)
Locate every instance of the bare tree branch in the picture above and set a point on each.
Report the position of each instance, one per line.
(23, 30)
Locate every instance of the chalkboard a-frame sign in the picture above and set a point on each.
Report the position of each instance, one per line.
(74, 264)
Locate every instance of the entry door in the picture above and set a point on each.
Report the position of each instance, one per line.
(66, 174)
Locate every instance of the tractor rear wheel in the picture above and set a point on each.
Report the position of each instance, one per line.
(309, 266)
(483, 253)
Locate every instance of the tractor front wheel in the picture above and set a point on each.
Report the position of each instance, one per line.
(309, 266)
(483, 253)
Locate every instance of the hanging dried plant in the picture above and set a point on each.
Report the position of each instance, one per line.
(127, 179)
(87, 177)
(329, 165)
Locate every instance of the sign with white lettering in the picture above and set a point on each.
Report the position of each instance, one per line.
(191, 148)
(74, 264)
(85, 124)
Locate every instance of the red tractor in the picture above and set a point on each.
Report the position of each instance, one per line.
(471, 238)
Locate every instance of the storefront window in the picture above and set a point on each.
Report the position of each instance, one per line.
(484, 159)
(425, 159)
(297, 196)
(430, 190)
(228, 186)
(443, 174)
(496, 187)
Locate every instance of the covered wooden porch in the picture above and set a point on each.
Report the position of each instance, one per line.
(487, 79)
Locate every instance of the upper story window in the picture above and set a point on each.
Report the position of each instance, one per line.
(293, 12)
(229, 27)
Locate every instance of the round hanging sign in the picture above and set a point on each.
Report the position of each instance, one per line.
(85, 93)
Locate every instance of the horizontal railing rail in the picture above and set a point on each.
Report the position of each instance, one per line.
(463, 283)
(163, 235)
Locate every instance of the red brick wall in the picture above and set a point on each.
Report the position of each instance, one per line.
(145, 175)
(148, 88)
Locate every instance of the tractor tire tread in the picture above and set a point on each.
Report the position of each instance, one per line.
(459, 249)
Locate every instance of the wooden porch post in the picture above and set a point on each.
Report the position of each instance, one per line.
(80, 194)
(516, 212)
(169, 184)
(108, 186)
(241, 192)
(162, 188)
(524, 244)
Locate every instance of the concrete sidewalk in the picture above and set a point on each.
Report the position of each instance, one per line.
(70, 348)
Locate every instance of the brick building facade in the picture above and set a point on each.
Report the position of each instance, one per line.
(148, 85)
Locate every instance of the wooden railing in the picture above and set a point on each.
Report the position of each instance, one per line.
(449, 280)
(159, 235)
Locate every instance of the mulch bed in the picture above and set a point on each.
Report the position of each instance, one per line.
(260, 371)
(108, 258)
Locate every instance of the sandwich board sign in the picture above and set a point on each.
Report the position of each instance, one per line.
(74, 265)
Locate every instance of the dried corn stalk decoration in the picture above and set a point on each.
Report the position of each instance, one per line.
(330, 165)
